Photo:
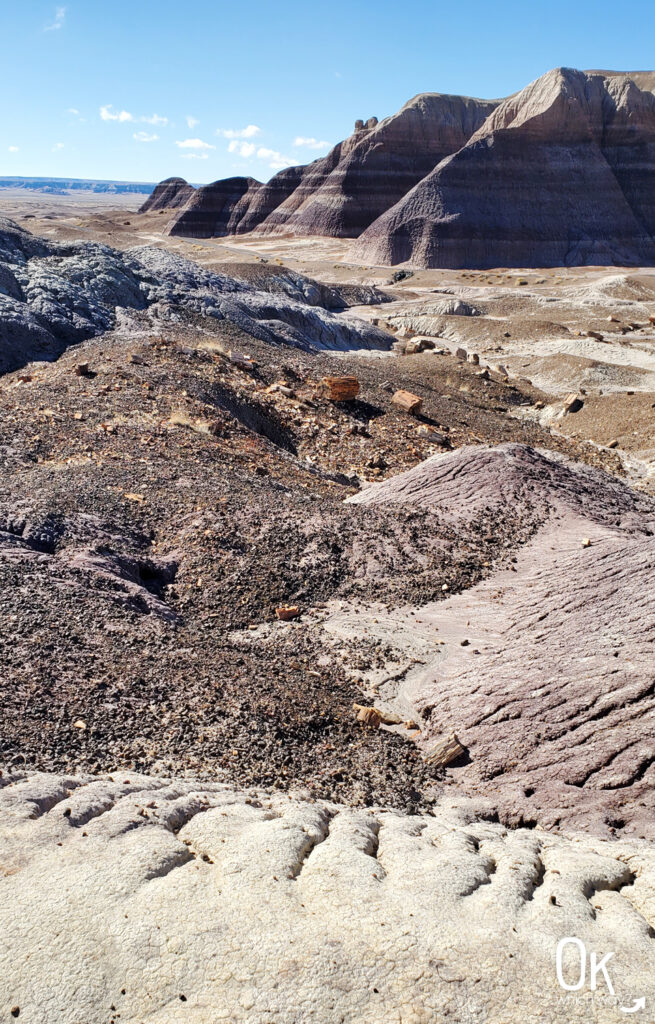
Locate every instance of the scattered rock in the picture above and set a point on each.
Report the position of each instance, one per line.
(445, 752)
(368, 716)
(573, 403)
(407, 402)
(340, 389)
(287, 612)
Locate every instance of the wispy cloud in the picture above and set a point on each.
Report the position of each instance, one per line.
(249, 132)
(107, 113)
(310, 143)
(145, 136)
(194, 144)
(195, 156)
(74, 111)
(276, 161)
(192, 121)
(155, 119)
(60, 15)
(57, 146)
(12, 149)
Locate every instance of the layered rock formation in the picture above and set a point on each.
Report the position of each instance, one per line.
(342, 193)
(365, 175)
(215, 209)
(54, 294)
(168, 195)
(563, 173)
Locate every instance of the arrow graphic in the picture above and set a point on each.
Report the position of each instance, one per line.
(639, 1004)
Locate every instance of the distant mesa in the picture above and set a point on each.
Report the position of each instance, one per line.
(66, 186)
(560, 174)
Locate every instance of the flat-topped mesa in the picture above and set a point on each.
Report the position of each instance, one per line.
(562, 173)
(214, 210)
(169, 194)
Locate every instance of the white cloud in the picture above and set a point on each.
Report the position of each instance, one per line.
(145, 136)
(195, 156)
(310, 143)
(194, 144)
(13, 149)
(276, 161)
(242, 148)
(74, 111)
(249, 132)
(57, 146)
(60, 14)
(192, 121)
(107, 114)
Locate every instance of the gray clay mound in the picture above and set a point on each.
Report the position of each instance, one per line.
(55, 294)
(170, 902)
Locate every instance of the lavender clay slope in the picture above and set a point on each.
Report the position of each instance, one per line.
(545, 670)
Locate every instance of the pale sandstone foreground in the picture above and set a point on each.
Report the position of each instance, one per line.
(169, 901)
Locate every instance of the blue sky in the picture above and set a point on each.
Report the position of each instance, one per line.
(144, 89)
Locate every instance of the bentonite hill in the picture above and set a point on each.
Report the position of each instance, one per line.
(560, 174)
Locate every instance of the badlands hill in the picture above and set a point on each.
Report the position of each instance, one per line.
(562, 173)
(168, 195)
(342, 193)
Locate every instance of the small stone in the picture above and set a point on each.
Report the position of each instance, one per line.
(287, 612)
(340, 389)
(79, 724)
(407, 402)
(445, 751)
(586, 542)
(241, 360)
(370, 717)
